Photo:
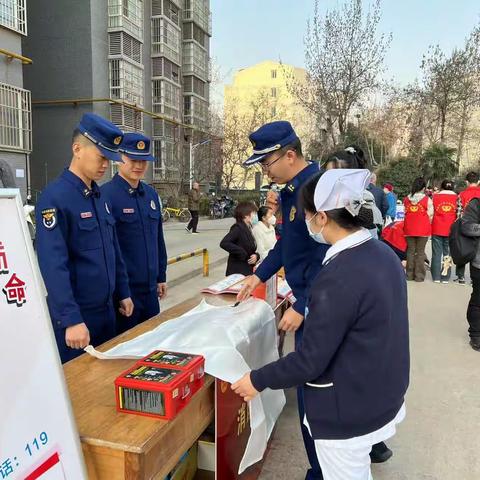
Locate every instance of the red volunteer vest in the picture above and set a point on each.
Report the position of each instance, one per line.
(417, 223)
(468, 194)
(393, 234)
(445, 213)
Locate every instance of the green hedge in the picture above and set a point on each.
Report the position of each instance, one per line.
(400, 173)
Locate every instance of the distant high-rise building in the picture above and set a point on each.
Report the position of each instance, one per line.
(260, 94)
(15, 105)
(142, 63)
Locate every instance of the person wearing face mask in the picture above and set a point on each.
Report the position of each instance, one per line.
(239, 241)
(278, 150)
(353, 361)
(264, 231)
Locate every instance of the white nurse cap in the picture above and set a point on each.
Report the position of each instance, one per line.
(342, 188)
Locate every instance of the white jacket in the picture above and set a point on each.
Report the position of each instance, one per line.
(265, 238)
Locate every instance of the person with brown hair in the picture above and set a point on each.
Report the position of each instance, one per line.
(239, 241)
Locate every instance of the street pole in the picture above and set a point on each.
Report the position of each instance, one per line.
(191, 164)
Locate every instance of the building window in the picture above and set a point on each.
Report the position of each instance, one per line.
(274, 92)
(195, 60)
(274, 74)
(126, 14)
(126, 118)
(165, 39)
(15, 119)
(121, 43)
(165, 166)
(126, 81)
(13, 15)
(198, 12)
(166, 98)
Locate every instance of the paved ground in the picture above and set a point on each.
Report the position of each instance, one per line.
(179, 241)
(439, 439)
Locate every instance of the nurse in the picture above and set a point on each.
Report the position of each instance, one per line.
(353, 360)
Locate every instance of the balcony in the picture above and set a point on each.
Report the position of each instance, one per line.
(166, 40)
(13, 15)
(197, 11)
(126, 81)
(195, 111)
(126, 15)
(15, 119)
(195, 61)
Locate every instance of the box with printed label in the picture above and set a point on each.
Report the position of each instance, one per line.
(153, 391)
(193, 364)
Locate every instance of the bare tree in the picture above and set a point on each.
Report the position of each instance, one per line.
(240, 121)
(344, 57)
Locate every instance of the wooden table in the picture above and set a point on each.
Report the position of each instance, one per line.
(118, 445)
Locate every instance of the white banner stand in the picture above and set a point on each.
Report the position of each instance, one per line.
(38, 436)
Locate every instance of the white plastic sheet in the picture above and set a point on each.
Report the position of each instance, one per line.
(233, 342)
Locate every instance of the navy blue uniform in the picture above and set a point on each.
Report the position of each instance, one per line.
(139, 227)
(353, 361)
(80, 259)
(302, 259)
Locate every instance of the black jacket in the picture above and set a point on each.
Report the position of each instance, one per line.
(471, 226)
(240, 244)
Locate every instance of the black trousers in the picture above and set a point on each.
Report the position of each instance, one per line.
(473, 311)
(192, 225)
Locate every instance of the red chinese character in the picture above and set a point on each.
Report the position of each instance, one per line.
(3, 260)
(14, 290)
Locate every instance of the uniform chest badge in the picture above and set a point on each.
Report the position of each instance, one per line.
(106, 208)
(152, 205)
(293, 212)
(86, 215)
(128, 210)
(49, 217)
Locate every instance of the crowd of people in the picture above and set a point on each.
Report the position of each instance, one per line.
(102, 255)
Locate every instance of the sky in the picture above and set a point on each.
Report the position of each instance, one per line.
(246, 32)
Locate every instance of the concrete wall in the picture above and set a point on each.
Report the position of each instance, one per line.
(60, 44)
(11, 71)
(17, 161)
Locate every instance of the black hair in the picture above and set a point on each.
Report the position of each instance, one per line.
(447, 185)
(296, 146)
(262, 212)
(243, 209)
(472, 177)
(341, 216)
(350, 157)
(76, 133)
(418, 185)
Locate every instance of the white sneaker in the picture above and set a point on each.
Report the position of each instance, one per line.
(194, 233)
(436, 281)
(445, 282)
(187, 229)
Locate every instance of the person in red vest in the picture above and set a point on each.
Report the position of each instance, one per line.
(472, 191)
(417, 229)
(394, 236)
(444, 215)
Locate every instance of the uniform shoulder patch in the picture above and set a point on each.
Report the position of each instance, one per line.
(49, 217)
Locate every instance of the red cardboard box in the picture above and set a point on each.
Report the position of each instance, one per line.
(193, 364)
(153, 391)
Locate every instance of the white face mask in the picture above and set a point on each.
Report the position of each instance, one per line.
(272, 220)
(318, 237)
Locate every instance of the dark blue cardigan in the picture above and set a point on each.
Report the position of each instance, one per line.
(353, 360)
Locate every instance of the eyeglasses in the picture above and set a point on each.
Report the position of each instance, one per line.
(266, 166)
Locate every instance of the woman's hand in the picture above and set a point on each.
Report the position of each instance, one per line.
(253, 259)
(245, 388)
